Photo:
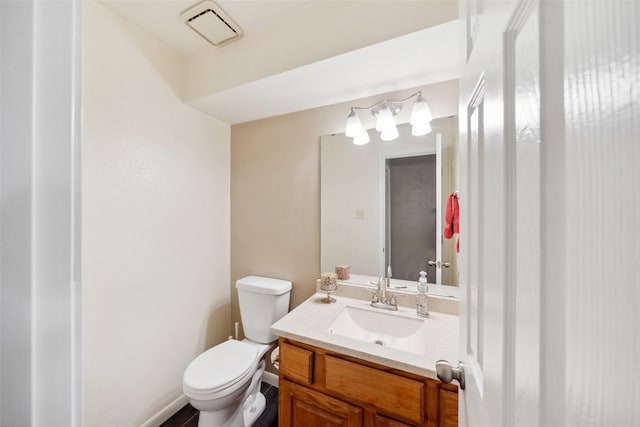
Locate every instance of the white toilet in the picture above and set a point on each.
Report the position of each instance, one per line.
(223, 383)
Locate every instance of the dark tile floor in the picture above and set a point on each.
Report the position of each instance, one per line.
(188, 416)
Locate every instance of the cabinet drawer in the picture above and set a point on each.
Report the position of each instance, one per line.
(296, 363)
(389, 393)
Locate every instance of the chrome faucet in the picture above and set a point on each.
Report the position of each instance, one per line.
(379, 298)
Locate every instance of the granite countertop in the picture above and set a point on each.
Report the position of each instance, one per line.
(308, 323)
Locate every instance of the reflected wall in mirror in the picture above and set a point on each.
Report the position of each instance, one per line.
(384, 204)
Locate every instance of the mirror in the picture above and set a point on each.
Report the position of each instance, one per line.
(383, 204)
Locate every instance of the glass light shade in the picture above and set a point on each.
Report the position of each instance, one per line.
(421, 113)
(421, 129)
(361, 138)
(354, 126)
(385, 121)
(389, 134)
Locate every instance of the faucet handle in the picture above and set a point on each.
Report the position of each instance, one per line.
(393, 298)
(393, 301)
(375, 295)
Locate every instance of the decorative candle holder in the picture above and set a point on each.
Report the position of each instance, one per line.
(343, 272)
(329, 283)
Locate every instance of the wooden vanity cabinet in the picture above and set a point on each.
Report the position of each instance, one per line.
(323, 388)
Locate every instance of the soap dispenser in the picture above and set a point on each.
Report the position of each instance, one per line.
(422, 303)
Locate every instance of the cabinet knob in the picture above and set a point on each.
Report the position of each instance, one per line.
(447, 373)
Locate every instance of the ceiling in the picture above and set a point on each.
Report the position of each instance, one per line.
(339, 66)
(161, 18)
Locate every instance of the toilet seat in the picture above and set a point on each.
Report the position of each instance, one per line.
(220, 370)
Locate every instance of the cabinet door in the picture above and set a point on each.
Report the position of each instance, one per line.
(300, 406)
(388, 422)
(448, 408)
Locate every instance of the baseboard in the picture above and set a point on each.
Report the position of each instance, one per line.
(167, 412)
(269, 378)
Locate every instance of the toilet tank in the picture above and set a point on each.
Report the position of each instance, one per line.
(263, 301)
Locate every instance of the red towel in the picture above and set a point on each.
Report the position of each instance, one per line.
(452, 219)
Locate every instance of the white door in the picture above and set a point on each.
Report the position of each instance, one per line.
(483, 221)
(549, 155)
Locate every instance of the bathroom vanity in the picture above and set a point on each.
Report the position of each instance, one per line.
(320, 387)
(334, 375)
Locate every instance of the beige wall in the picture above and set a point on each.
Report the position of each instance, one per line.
(275, 189)
(155, 232)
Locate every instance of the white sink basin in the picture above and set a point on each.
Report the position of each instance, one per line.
(382, 328)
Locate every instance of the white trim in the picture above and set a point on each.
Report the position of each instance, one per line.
(553, 290)
(522, 13)
(439, 206)
(16, 135)
(383, 250)
(167, 412)
(474, 242)
(470, 165)
(55, 191)
(77, 59)
(271, 379)
(382, 199)
(40, 173)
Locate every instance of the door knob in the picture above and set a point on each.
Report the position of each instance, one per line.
(438, 264)
(446, 373)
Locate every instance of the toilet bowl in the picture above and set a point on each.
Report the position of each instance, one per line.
(223, 383)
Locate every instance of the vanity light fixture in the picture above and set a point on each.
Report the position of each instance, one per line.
(384, 112)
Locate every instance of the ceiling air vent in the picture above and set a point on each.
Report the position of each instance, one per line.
(209, 20)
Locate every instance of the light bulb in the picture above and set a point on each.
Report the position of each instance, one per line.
(389, 134)
(420, 114)
(354, 126)
(420, 129)
(385, 120)
(361, 138)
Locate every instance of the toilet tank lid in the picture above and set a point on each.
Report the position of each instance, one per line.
(264, 285)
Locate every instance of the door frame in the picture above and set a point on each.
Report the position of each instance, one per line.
(40, 109)
(382, 200)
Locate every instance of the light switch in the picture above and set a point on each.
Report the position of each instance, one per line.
(359, 213)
